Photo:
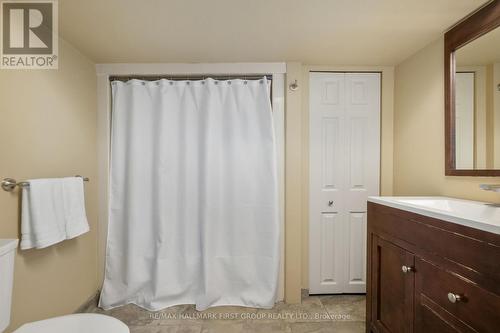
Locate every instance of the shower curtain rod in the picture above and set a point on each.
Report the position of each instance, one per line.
(189, 77)
(195, 77)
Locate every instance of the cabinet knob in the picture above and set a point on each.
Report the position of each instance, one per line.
(454, 298)
(406, 269)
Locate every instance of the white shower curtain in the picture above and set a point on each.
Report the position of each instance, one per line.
(193, 215)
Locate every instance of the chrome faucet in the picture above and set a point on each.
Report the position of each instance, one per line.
(490, 187)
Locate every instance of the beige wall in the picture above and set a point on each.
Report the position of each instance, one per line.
(48, 122)
(419, 131)
(496, 116)
(303, 150)
(293, 186)
(490, 122)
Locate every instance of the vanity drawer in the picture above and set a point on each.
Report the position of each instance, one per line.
(477, 307)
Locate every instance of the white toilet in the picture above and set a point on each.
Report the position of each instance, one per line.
(75, 323)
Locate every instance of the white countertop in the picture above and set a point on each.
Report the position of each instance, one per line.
(474, 214)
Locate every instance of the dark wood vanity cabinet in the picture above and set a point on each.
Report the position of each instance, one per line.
(427, 275)
(389, 285)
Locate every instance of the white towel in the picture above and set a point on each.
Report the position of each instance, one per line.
(52, 210)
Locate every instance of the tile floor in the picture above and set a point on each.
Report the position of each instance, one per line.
(316, 314)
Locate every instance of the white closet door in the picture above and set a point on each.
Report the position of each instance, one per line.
(464, 120)
(344, 171)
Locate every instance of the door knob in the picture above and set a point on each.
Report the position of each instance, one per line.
(330, 203)
(406, 269)
(454, 298)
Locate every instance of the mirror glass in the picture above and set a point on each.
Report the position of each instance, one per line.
(477, 103)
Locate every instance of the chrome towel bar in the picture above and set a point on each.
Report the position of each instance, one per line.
(9, 184)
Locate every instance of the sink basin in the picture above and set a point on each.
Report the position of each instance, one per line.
(7, 245)
(478, 215)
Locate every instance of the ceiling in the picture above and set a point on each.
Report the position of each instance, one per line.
(348, 32)
(480, 52)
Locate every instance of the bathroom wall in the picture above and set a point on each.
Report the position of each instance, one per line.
(293, 186)
(490, 123)
(496, 115)
(419, 131)
(48, 129)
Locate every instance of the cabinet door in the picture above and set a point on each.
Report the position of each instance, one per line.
(392, 287)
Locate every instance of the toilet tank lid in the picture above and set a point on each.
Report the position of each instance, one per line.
(7, 245)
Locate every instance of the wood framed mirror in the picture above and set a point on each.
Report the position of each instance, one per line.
(472, 94)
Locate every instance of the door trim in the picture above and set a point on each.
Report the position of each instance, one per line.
(387, 135)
